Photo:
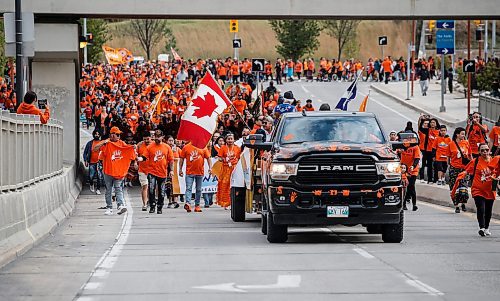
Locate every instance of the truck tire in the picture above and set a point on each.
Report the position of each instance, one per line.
(394, 233)
(374, 229)
(276, 233)
(263, 223)
(238, 204)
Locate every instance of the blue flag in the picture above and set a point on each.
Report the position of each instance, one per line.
(349, 95)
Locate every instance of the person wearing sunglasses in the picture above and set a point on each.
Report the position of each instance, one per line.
(482, 187)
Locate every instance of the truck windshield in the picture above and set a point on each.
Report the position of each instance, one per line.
(343, 129)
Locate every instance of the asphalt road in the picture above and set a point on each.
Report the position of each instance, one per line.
(205, 256)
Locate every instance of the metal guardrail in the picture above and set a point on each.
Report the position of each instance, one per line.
(29, 151)
(489, 107)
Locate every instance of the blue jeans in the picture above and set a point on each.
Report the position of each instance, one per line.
(189, 189)
(95, 171)
(117, 184)
(208, 198)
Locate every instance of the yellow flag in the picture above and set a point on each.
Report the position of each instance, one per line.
(362, 107)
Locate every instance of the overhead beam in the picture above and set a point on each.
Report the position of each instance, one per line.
(264, 9)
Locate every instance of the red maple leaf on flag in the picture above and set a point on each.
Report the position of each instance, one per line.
(205, 107)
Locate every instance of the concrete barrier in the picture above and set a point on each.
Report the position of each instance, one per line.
(29, 215)
(440, 195)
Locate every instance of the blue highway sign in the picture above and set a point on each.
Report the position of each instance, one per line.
(445, 41)
(445, 24)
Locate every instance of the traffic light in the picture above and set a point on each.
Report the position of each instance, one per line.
(477, 22)
(479, 35)
(233, 26)
(429, 39)
(432, 24)
(90, 39)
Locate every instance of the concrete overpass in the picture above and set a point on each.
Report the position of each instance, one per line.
(263, 9)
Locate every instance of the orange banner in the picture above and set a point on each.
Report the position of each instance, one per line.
(117, 56)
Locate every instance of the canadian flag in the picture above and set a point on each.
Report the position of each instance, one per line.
(200, 119)
(177, 57)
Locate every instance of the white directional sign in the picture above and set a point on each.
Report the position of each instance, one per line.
(237, 43)
(284, 281)
(469, 66)
(382, 40)
(445, 24)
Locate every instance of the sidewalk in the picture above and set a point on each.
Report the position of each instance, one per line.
(456, 103)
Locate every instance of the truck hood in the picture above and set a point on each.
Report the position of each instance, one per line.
(289, 152)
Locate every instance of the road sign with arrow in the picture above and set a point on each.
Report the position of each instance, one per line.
(258, 65)
(469, 66)
(237, 43)
(382, 40)
(445, 41)
(445, 24)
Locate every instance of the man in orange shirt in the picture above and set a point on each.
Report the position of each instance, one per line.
(411, 158)
(308, 106)
(27, 107)
(440, 149)
(142, 150)
(161, 165)
(387, 68)
(195, 163)
(240, 105)
(494, 138)
(115, 156)
(476, 132)
(91, 159)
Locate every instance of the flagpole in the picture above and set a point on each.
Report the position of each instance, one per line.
(158, 98)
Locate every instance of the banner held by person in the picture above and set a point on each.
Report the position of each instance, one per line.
(200, 119)
(177, 57)
(117, 56)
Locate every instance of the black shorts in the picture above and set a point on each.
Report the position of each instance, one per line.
(441, 166)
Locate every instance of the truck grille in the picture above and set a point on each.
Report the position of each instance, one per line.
(336, 170)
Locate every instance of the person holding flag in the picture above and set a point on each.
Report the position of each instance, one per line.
(116, 156)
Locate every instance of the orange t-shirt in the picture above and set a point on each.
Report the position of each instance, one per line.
(495, 135)
(142, 150)
(387, 65)
(116, 157)
(481, 184)
(476, 136)
(235, 70)
(407, 158)
(194, 158)
(441, 145)
(94, 155)
(306, 108)
(240, 105)
(230, 155)
(159, 156)
(454, 153)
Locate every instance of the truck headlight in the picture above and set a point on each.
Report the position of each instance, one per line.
(390, 170)
(282, 171)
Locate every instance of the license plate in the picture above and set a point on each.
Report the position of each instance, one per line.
(337, 211)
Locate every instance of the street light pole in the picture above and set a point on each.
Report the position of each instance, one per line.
(19, 52)
(468, 73)
(85, 35)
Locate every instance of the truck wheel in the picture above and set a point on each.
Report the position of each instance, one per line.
(238, 206)
(393, 233)
(276, 233)
(374, 229)
(263, 223)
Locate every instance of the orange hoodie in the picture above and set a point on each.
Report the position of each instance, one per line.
(30, 109)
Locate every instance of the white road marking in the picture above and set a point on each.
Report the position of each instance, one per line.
(413, 281)
(110, 257)
(305, 89)
(283, 281)
(363, 253)
(384, 106)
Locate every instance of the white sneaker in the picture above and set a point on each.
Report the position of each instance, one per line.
(108, 212)
(92, 188)
(121, 210)
(97, 191)
(487, 232)
(481, 232)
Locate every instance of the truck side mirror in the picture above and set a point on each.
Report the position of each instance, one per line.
(405, 140)
(256, 142)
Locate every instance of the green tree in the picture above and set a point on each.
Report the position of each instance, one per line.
(100, 35)
(296, 37)
(170, 40)
(344, 31)
(487, 76)
(148, 32)
(3, 59)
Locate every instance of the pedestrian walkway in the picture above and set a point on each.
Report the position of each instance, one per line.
(455, 103)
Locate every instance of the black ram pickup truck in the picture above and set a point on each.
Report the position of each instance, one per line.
(327, 168)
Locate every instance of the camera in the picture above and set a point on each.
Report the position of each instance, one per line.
(42, 103)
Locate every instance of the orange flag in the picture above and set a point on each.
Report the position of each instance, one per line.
(362, 107)
(117, 56)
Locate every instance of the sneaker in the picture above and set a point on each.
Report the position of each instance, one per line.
(176, 205)
(121, 210)
(98, 192)
(487, 232)
(197, 209)
(207, 206)
(169, 205)
(108, 212)
(187, 207)
(158, 211)
(152, 209)
(144, 208)
(92, 189)
(481, 232)
(415, 208)
(457, 209)
(404, 207)
(464, 209)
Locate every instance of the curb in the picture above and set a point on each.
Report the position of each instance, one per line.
(415, 107)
